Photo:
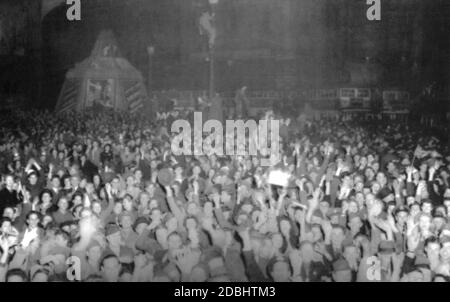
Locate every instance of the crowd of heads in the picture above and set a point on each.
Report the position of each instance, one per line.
(101, 197)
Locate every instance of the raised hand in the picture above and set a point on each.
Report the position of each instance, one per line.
(216, 199)
(295, 258)
(299, 183)
(186, 259)
(397, 260)
(169, 192)
(413, 241)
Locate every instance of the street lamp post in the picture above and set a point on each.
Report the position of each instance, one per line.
(211, 72)
(211, 45)
(151, 52)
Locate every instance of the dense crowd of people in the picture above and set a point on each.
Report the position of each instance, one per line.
(101, 197)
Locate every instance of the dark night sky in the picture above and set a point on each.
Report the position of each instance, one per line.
(320, 43)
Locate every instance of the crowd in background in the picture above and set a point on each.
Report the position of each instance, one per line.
(365, 201)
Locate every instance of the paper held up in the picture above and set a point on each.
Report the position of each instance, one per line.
(278, 178)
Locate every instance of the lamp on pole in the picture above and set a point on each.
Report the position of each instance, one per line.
(211, 45)
(151, 52)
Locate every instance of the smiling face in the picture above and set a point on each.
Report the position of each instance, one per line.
(33, 220)
(424, 223)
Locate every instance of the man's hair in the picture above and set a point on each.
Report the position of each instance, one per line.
(109, 256)
(46, 191)
(174, 233)
(446, 278)
(274, 261)
(33, 213)
(190, 217)
(41, 270)
(16, 272)
(94, 278)
(4, 219)
(427, 201)
(64, 234)
(9, 175)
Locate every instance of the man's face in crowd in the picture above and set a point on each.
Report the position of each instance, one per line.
(85, 212)
(381, 179)
(432, 250)
(130, 181)
(369, 174)
(8, 212)
(337, 236)
(172, 224)
(126, 222)
(352, 207)
(391, 167)
(33, 221)
(9, 182)
(33, 179)
(441, 210)
(96, 180)
(376, 166)
(424, 222)
(83, 183)
(174, 242)
(198, 274)
(439, 223)
(155, 214)
(225, 197)
(415, 210)
(192, 208)
(427, 208)
(352, 254)
(138, 174)
(94, 254)
(111, 269)
(277, 241)
(47, 220)
(402, 216)
(75, 182)
(410, 200)
(342, 276)
(280, 271)
(140, 228)
(56, 182)
(376, 188)
(127, 204)
(40, 277)
(363, 161)
(61, 156)
(115, 184)
(6, 227)
(77, 200)
(355, 224)
(63, 204)
(359, 186)
(144, 200)
(445, 253)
